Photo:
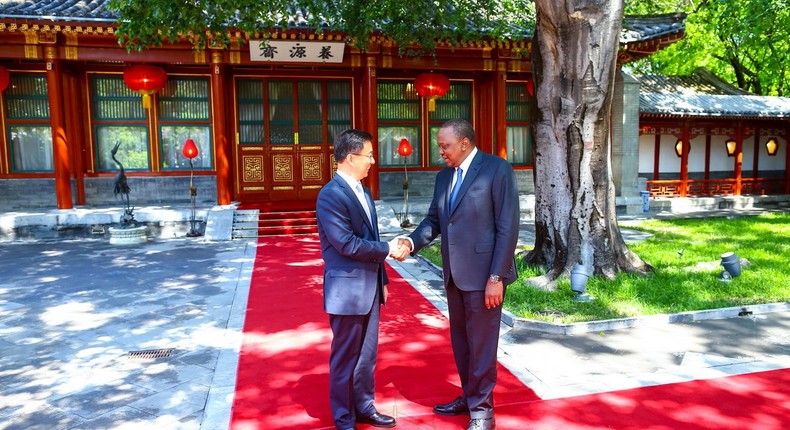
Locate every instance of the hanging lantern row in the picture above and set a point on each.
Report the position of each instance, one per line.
(5, 78)
(145, 80)
(431, 85)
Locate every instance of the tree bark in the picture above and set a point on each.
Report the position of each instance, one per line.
(574, 64)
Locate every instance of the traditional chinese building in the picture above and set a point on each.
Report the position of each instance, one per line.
(700, 136)
(262, 116)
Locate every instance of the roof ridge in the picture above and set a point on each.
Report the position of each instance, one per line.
(724, 86)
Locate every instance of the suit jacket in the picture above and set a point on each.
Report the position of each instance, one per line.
(480, 235)
(353, 255)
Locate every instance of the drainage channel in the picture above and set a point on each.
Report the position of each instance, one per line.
(151, 353)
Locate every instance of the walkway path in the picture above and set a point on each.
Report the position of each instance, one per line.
(72, 310)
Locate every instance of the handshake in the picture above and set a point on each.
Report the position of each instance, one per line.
(400, 248)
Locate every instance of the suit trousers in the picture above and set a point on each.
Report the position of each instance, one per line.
(474, 334)
(352, 362)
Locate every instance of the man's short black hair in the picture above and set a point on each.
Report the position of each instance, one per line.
(461, 129)
(350, 141)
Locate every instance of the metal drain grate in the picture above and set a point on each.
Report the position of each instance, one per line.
(151, 353)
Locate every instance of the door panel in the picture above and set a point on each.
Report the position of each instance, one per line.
(284, 132)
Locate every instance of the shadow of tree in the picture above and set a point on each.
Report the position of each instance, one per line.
(70, 311)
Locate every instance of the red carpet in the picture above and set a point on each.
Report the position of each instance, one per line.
(283, 368)
(275, 206)
(283, 379)
(752, 401)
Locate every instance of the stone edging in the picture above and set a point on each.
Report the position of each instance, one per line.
(523, 324)
(527, 325)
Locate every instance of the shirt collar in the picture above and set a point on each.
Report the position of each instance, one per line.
(349, 180)
(468, 160)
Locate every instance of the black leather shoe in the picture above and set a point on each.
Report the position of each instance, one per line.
(456, 407)
(377, 420)
(482, 424)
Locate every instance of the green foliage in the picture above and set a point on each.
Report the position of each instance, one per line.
(415, 25)
(746, 43)
(674, 286)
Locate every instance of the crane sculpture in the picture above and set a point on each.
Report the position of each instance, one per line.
(121, 186)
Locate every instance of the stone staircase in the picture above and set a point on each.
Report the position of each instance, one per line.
(251, 223)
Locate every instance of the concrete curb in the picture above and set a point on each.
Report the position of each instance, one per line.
(529, 325)
(523, 324)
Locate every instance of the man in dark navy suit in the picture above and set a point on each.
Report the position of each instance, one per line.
(475, 210)
(355, 282)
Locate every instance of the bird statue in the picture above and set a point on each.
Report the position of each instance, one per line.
(121, 186)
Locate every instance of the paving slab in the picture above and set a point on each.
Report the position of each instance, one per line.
(72, 308)
(71, 311)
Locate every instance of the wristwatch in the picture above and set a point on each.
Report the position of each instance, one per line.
(494, 278)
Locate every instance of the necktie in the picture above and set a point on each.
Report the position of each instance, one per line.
(363, 200)
(456, 187)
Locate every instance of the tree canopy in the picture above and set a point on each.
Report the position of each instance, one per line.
(414, 25)
(746, 43)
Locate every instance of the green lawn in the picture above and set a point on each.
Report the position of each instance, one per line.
(764, 240)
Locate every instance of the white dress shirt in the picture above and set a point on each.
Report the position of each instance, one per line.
(359, 192)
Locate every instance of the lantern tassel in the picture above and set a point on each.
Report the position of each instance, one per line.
(431, 104)
(146, 98)
(146, 101)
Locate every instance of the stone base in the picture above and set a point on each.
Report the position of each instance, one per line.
(127, 236)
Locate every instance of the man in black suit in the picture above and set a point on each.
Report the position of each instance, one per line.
(355, 282)
(475, 210)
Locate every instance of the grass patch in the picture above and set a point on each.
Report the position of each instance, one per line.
(764, 240)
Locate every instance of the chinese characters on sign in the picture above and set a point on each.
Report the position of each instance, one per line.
(293, 51)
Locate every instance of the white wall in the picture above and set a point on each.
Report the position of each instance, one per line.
(719, 160)
(646, 146)
(776, 162)
(668, 161)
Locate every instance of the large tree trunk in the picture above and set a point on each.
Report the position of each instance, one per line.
(574, 63)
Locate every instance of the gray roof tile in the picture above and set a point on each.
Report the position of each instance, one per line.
(703, 94)
(714, 105)
(57, 10)
(637, 28)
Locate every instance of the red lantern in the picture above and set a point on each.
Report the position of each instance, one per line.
(530, 87)
(404, 149)
(145, 80)
(189, 150)
(431, 85)
(5, 78)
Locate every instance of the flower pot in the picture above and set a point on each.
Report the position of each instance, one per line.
(127, 235)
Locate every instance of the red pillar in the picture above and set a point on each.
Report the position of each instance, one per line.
(499, 146)
(684, 160)
(707, 153)
(738, 159)
(57, 117)
(787, 160)
(221, 144)
(74, 106)
(370, 121)
(756, 161)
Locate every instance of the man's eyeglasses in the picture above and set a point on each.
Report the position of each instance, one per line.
(370, 156)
